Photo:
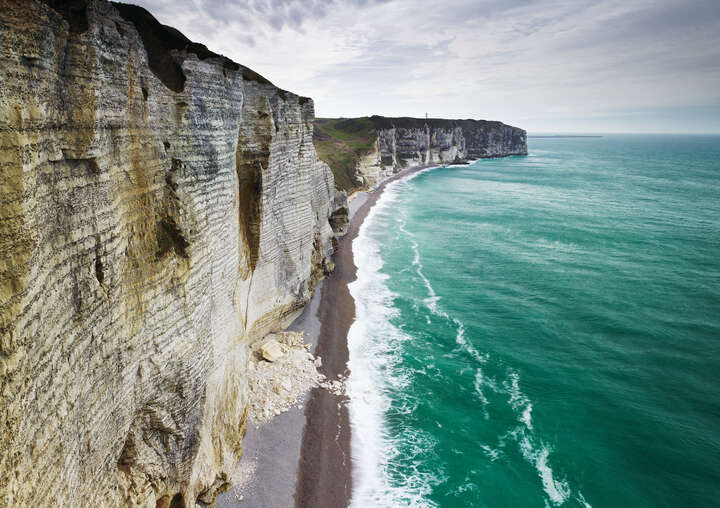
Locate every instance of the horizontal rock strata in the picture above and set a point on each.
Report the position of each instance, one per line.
(398, 143)
(160, 208)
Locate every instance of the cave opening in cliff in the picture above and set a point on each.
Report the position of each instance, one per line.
(178, 501)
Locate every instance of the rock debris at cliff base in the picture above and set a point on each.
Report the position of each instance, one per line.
(277, 385)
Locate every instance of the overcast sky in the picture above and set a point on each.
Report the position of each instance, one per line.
(544, 65)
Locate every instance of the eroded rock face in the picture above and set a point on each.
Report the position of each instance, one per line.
(160, 208)
(399, 143)
(405, 142)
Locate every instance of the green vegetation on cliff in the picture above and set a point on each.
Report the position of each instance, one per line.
(340, 142)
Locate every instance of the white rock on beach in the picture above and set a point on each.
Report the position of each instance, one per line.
(282, 372)
(271, 350)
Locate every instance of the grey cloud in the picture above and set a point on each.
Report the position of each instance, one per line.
(275, 13)
(657, 23)
(512, 59)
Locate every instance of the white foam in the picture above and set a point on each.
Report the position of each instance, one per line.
(371, 342)
(467, 346)
(533, 449)
(491, 453)
(527, 416)
(557, 491)
(479, 380)
(432, 302)
(581, 499)
(518, 400)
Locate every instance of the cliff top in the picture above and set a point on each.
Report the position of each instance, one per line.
(159, 41)
(375, 122)
(382, 122)
(340, 142)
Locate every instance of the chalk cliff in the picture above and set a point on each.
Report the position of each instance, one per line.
(160, 208)
(377, 147)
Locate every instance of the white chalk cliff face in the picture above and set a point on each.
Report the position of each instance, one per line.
(160, 208)
(406, 142)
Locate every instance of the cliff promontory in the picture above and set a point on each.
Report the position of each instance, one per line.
(160, 208)
(364, 151)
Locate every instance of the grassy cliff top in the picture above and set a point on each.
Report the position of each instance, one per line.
(404, 122)
(340, 142)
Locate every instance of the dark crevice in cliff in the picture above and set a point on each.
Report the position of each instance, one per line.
(177, 501)
(339, 219)
(90, 164)
(159, 41)
(249, 165)
(209, 496)
(251, 157)
(171, 178)
(73, 11)
(128, 454)
(99, 273)
(170, 238)
(99, 268)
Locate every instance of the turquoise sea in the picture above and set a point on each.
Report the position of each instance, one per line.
(542, 330)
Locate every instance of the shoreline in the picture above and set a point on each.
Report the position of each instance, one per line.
(302, 457)
(324, 477)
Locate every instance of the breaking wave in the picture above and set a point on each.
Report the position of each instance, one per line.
(372, 344)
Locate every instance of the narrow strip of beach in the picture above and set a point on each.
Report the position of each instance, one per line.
(325, 467)
(302, 457)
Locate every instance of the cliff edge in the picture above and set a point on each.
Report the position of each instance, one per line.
(161, 207)
(363, 152)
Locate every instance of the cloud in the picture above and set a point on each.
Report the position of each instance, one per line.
(275, 14)
(536, 63)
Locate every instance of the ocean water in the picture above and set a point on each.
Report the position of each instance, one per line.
(542, 330)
